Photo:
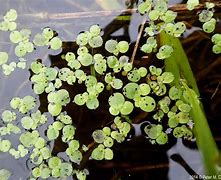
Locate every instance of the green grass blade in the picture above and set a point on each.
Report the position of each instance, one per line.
(178, 64)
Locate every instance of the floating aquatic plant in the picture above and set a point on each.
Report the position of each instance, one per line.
(149, 89)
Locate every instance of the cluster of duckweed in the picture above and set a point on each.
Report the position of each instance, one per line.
(149, 89)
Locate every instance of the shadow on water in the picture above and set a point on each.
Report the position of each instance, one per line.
(134, 159)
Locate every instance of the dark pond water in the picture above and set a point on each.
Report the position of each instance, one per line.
(68, 18)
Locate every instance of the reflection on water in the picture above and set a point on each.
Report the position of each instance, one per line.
(191, 157)
(36, 14)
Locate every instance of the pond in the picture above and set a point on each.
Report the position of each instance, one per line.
(136, 158)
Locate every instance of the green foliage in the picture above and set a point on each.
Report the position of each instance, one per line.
(191, 4)
(5, 174)
(150, 89)
(5, 145)
(3, 58)
(164, 52)
(216, 39)
(9, 21)
(23, 104)
(150, 45)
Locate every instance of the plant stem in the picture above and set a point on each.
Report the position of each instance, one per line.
(93, 71)
(138, 39)
(204, 137)
(179, 65)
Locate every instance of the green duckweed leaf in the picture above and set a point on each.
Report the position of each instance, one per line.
(8, 68)
(80, 99)
(8, 116)
(100, 66)
(169, 16)
(54, 162)
(165, 51)
(95, 30)
(98, 136)
(116, 83)
(116, 100)
(28, 139)
(125, 129)
(117, 136)
(98, 153)
(154, 15)
(46, 153)
(178, 132)
(144, 89)
(48, 33)
(159, 115)
(45, 173)
(11, 128)
(5, 174)
(112, 61)
(144, 7)
(142, 71)
(52, 133)
(108, 154)
(95, 42)
(66, 169)
(5, 145)
(134, 75)
(27, 122)
(183, 117)
(147, 104)
(55, 43)
(74, 144)
(57, 125)
(173, 122)
(111, 46)
(70, 56)
(130, 90)
(108, 142)
(11, 15)
(217, 49)
(162, 138)
(22, 150)
(15, 102)
(81, 175)
(153, 131)
(36, 172)
(216, 39)
(127, 108)
(191, 4)
(175, 93)
(85, 59)
(205, 15)
(54, 109)
(92, 102)
(82, 39)
(14, 153)
(40, 40)
(209, 26)
(74, 155)
(107, 131)
(178, 29)
(3, 58)
(166, 77)
(123, 46)
(39, 143)
(68, 133)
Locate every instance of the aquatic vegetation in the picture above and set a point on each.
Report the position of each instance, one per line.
(154, 90)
